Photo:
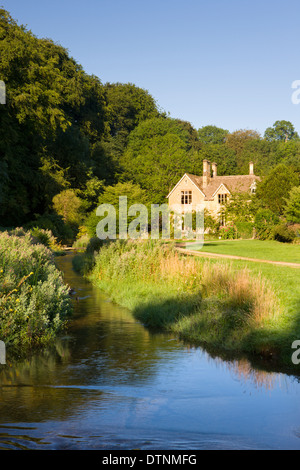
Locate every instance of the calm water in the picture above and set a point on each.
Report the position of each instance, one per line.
(110, 384)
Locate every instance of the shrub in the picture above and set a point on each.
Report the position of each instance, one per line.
(34, 301)
(283, 234)
(228, 233)
(52, 222)
(245, 229)
(94, 245)
(81, 242)
(265, 221)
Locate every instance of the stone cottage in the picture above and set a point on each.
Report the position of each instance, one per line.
(210, 189)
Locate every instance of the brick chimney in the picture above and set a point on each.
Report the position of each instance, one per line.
(206, 173)
(214, 170)
(251, 168)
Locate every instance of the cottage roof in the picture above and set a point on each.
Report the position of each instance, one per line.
(235, 183)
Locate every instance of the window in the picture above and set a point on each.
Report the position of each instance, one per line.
(186, 197)
(222, 198)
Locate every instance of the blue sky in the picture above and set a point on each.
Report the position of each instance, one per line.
(227, 63)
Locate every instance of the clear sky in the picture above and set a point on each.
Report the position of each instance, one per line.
(227, 63)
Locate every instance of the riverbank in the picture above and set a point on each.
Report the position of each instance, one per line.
(226, 305)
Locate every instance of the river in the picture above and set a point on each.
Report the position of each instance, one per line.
(108, 383)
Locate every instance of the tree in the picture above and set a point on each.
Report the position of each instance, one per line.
(240, 208)
(127, 106)
(54, 114)
(292, 209)
(287, 153)
(237, 139)
(110, 195)
(224, 156)
(68, 205)
(282, 131)
(134, 193)
(212, 134)
(159, 152)
(274, 189)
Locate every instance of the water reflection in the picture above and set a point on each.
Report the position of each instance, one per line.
(244, 371)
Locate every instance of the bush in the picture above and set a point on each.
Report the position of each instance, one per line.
(265, 221)
(81, 242)
(94, 245)
(228, 233)
(245, 229)
(64, 233)
(283, 234)
(34, 301)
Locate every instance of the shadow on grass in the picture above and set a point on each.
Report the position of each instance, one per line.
(221, 329)
(163, 314)
(195, 319)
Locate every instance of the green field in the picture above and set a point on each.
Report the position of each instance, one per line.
(264, 250)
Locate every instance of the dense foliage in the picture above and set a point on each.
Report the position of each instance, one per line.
(34, 301)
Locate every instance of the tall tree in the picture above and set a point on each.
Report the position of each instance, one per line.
(292, 209)
(282, 131)
(273, 190)
(54, 114)
(159, 152)
(127, 106)
(212, 134)
(238, 139)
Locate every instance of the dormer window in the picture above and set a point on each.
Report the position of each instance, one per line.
(222, 198)
(186, 197)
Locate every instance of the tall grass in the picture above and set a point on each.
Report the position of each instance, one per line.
(34, 301)
(202, 301)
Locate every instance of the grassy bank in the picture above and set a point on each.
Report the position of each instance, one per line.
(226, 305)
(265, 250)
(34, 301)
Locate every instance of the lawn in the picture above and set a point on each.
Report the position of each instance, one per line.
(264, 250)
